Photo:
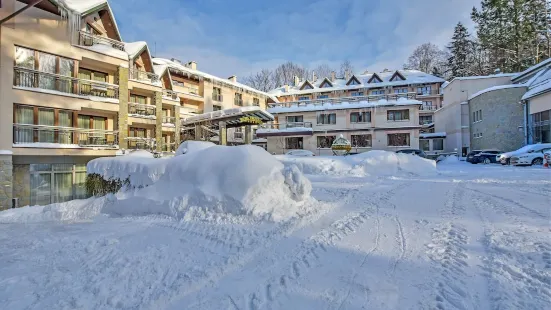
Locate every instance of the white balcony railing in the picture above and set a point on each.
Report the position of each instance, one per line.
(140, 109)
(144, 76)
(169, 120)
(428, 107)
(169, 94)
(88, 39)
(27, 134)
(372, 98)
(141, 143)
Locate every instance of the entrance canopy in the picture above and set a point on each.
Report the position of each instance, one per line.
(235, 117)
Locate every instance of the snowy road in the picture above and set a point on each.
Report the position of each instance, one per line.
(472, 237)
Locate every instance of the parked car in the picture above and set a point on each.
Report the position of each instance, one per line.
(485, 157)
(505, 158)
(470, 156)
(417, 152)
(530, 158)
(547, 158)
(305, 153)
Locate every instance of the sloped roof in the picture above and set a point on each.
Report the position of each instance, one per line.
(532, 69)
(310, 106)
(84, 7)
(135, 48)
(411, 77)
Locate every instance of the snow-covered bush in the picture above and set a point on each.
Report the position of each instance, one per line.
(96, 185)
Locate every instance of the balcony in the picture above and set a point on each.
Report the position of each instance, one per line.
(169, 120)
(141, 143)
(142, 110)
(217, 97)
(427, 92)
(170, 95)
(428, 107)
(187, 88)
(355, 99)
(88, 39)
(63, 137)
(168, 147)
(143, 76)
(60, 84)
(285, 129)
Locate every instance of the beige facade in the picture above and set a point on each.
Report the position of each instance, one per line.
(71, 95)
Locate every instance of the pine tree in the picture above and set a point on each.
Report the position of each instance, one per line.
(460, 48)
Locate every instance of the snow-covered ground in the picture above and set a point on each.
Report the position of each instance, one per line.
(460, 237)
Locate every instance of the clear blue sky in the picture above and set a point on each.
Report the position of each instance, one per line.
(228, 37)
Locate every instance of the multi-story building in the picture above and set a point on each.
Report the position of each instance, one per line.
(71, 90)
(383, 111)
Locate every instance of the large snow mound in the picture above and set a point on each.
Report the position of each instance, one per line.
(193, 146)
(373, 163)
(236, 180)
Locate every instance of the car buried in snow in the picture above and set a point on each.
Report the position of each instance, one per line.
(505, 158)
(417, 152)
(485, 157)
(303, 153)
(530, 158)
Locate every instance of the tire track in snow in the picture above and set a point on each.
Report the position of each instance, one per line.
(511, 202)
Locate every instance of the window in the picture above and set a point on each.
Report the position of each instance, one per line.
(424, 90)
(424, 145)
(51, 183)
(378, 92)
(294, 143)
(327, 119)
(361, 141)
(216, 108)
(425, 119)
(301, 98)
(48, 65)
(24, 58)
(478, 135)
(400, 90)
(477, 116)
(138, 99)
(325, 142)
(541, 127)
(354, 82)
(357, 93)
(397, 115)
(256, 102)
(398, 139)
(216, 94)
(438, 144)
(24, 115)
(295, 119)
(46, 118)
(323, 96)
(238, 99)
(360, 117)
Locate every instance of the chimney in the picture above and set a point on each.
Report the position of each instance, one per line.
(333, 76)
(192, 65)
(287, 87)
(296, 80)
(314, 76)
(233, 78)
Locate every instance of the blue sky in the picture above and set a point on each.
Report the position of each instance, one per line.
(228, 37)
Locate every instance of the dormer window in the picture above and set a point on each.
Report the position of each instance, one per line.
(326, 83)
(375, 78)
(353, 81)
(397, 76)
(307, 85)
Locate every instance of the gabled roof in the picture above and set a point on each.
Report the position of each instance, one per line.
(397, 74)
(531, 70)
(374, 76)
(85, 7)
(326, 81)
(306, 83)
(134, 49)
(161, 71)
(353, 78)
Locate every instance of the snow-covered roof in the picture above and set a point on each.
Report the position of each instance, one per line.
(532, 69)
(220, 114)
(170, 63)
(538, 90)
(135, 48)
(478, 77)
(305, 107)
(411, 77)
(81, 7)
(489, 89)
(432, 135)
(290, 129)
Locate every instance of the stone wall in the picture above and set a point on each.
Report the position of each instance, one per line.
(22, 184)
(502, 116)
(6, 181)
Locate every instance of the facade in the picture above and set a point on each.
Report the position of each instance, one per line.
(496, 118)
(71, 90)
(453, 118)
(383, 111)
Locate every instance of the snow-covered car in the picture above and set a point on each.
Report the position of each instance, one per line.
(485, 157)
(505, 158)
(529, 158)
(547, 158)
(417, 152)
(299, 153)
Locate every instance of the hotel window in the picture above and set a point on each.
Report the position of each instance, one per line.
(398, 139)
(327, 119)
(424, 145)
(360, 117)
(216, 108)
(294, 143)
(24, 115)
(46, 118)
(354, 82)
(424, 90)
(24, 57)
(425, 119)
(138, 99)
(541, 127)
(303, 98)
(325, 142)
(378, 92)
(361, 140)
(397, 115)
(323, 96)
(400, 90)
(51, 183)
(438, 144)
(256, 102)
(238, 99)
(357, 93)
(295, 119)
(216, 94)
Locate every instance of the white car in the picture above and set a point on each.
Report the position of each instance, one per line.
(299, 153)
(529, 158)
(505, 158)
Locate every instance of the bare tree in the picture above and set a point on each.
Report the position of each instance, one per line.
(426, 58)
(285, 73)
(323, 71)
(346, 67)
(263, 80)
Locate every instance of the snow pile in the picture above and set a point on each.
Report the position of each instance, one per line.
(193, 146)
(373, 163)
(449, 160)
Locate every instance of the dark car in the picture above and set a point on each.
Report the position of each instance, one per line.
(470, 156)
(414, 152)
(485, 157)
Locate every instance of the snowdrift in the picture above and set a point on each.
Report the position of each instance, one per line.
(373, 163)
(193, 146)
(238, 180)
(450, 160)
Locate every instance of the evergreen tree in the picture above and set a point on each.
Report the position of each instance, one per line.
(460, 48)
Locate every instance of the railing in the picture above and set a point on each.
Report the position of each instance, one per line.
(429, 107)
(428, 92)
(169, 120)
(282, 126)
(168, 147)
(88, 39)
(25, 133)
(371, 98)
(141, 109)
(238, 135)
(144, 76)
(238, 102)
(187, 89)
(24, 77)
(217, 97)
(167, 93)
(141, 143)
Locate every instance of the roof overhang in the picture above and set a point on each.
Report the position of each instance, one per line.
(235, 117)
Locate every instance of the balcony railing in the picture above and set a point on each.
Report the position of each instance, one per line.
(429, 107)
(371, 98)
(25, 134)
(428, 92)
(238, 102)
(167, 93)
(141, 143)
(168, 147)
(88, 39)
(141, 109)
(144, 76)
(282, 126)
(169, 120)
(217, 97)
(194, 90)
(30, 78)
